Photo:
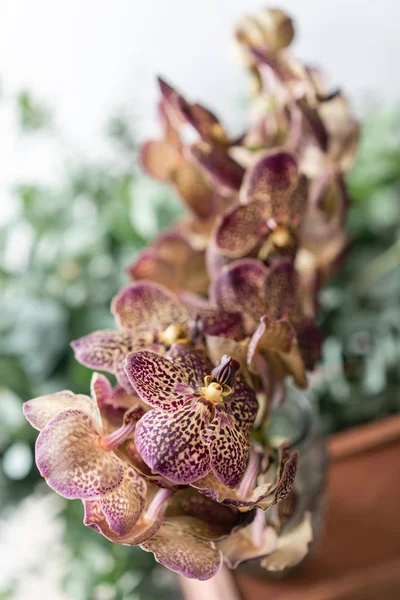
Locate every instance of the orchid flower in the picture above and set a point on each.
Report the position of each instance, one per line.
(201, 419)
(148, 316)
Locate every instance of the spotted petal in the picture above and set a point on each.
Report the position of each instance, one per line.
(41, 410)
(270, 181)
(273, 487)
(147, 307)
(157, 381)
(240, 288)
(242, 405)
(175, 547)
(104, 350)
(213, 520)
(171, 444)
(123, 507)
(194, 363)
(228, 447)
(241, 230)
(214, 321)
(101, 389)
(282, 293)
(71, 459)
(142, 530)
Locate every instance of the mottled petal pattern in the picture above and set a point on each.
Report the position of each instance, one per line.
(271, 181)
(214, 520)
(241, 230)
(228, 447)
(157, 381)
(41, 410)
(123, 507)
(282, 293)
(101, 389)
(195, 364)
(176, 548)
(171, 444)
(102, 349)
(242, 405)
(240, 288)
(147, 307)
(70, 457)
(141, 531)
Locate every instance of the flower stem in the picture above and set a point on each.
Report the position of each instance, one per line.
(157, 505)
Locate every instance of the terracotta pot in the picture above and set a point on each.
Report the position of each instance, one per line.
(358, 554)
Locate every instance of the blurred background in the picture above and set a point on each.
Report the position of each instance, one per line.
(77, 95)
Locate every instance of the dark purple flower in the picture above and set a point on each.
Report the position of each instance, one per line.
(198, 423)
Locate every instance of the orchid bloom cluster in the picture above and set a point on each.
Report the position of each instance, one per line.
(175, 456)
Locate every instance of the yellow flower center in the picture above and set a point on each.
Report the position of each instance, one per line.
(173, 334)
(213, 393)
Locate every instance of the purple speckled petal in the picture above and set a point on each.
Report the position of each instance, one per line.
(104, 349)
(141, 531)
(194, 363)
(213, 520)
(218, 165)
(240, 288)
(217, 491)
(39, 411)
(271, 180)
(214, 321)
(309, 336)
(282, 293)
(70, 457)
(123, 507)
(171, 444)
(147, 307)
(241, 230)
(157, 381)
(175, 547)
(100, 389)
(286, 475)
(228, 447)
(264, 495)
(242, 405)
